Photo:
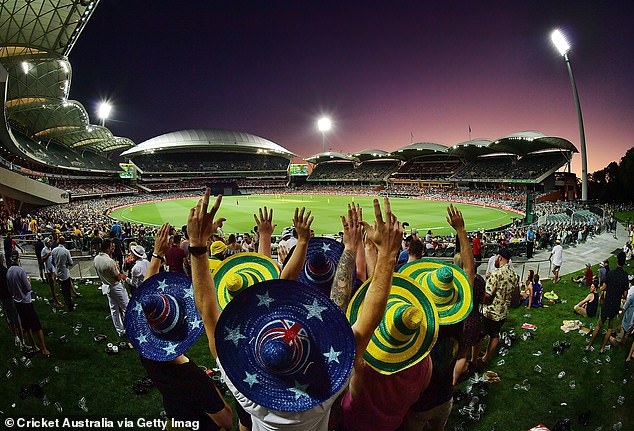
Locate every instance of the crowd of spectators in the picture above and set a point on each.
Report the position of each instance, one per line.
(96, 187)
(428, 169)
(525, 168)
(210, 162)
(349, 171)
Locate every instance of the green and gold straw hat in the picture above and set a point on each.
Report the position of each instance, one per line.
(241, 271)
(409, 328)
(448, 285)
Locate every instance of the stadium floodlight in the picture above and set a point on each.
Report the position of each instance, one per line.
(562, 45)
(103, 112)
(324, 125)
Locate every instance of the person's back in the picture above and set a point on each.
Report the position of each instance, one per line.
(537, 295)
(616, 285)
(61, 260)
(18, 284)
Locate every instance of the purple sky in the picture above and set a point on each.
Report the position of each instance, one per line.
(380, 71)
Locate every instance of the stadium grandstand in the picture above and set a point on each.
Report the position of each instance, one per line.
(228, 161)
(524, 161)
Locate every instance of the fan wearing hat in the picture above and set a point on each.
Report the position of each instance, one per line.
(162, 323)
(217, 251)
(499, 288)
(287, 353)
(139, 268)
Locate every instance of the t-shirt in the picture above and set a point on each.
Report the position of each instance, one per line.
(558, 255)
(315, 419)
(62, 261)
(616, 284)
(477, 246)
(48, 261)
(174, 258)
(188, 393)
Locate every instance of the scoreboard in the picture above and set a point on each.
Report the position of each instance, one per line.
(298, 170)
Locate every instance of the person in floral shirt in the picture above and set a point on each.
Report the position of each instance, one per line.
(499, 288)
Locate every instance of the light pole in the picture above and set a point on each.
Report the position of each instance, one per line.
(563, 47)
(103, 112)
(323, 125)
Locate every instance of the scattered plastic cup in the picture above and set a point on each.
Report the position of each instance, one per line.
(9, 374)
(617, 426)
(538, 368)
(538, 353)
(59, 407)
(561, 375)
(501, 362)
(620, 400)
(572, 384)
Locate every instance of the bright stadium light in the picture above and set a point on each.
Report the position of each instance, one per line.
(103, 112)
(562, 45)
(324, 125)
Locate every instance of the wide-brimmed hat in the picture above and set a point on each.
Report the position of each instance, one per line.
(448, 285)
(409, 328)
(322, 258)
(218, 247)
(161, 320)
(283, 347)
(241, 271)
(138, 251)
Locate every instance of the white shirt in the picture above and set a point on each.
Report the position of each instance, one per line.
(315, 419)
(137, 273)
(557, 255)
(48, 263)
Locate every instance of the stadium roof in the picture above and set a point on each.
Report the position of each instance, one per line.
(330, 156)
(471, 149)
(523, 143)
(35, 39)
(371, 155)
(209, 139)
(35, 27)
(419, 149)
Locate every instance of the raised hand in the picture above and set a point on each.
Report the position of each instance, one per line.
(454, 218)
(352, 228)
(265, 221)
(160, 242)
(385, 234)
(200, 223)
(302, 221)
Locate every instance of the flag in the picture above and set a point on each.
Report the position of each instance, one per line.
(411, 136)
(469, 128)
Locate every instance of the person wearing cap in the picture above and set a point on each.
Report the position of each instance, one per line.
(137, 273)
(587, 276)
(217, 250)
(604, 269)
(499, 288)
(20, 288)
(287, 403)
(162, 335)
(110, 275)
(557, 258)
(62, 261)
(49, 269)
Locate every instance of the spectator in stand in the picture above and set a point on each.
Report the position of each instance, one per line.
(175, 256)
(613, 290)
(587, 307)
(604, 269)
(232, 246)
(20, 288)
(247, 243)
(137, 273)
(557, 257)
(536, 292)
(62, 262)
(404, 255)
(477, 249)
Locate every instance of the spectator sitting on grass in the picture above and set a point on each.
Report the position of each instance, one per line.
(588, 306)
(587, 277)
(536, 292)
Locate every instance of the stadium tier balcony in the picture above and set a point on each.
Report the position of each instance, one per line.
(428, 170)
(529, 167)
(210, 163)
(371, 171)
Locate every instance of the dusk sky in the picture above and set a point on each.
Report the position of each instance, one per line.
(380, 70)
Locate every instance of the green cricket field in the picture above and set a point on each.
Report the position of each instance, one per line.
(238, 210)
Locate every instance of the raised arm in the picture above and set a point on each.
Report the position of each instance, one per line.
(200, 226)
(160, 248)
(455, 220)
(265, 230)
(344, 277)
(302, 221)
(386, 235)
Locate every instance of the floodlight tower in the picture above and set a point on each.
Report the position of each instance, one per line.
(324, 125)
(563, 47)
(103, 112)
